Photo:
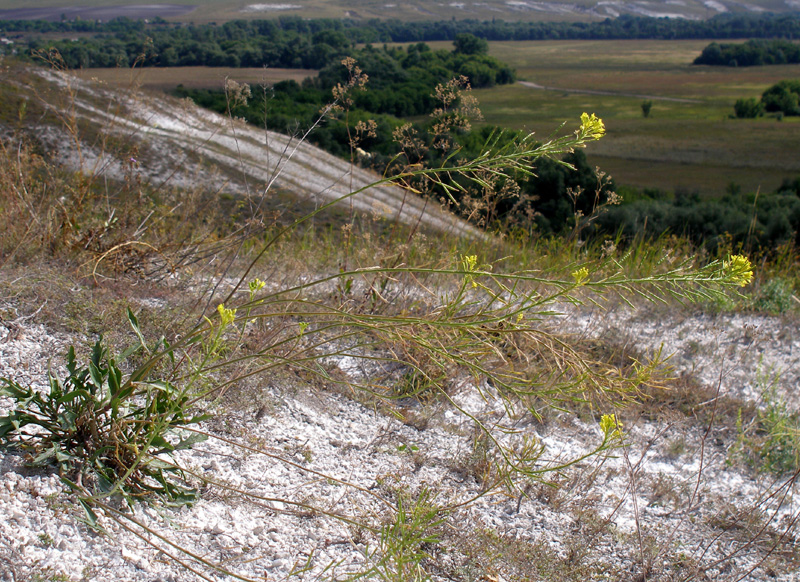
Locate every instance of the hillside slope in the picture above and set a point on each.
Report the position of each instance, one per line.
(181, 145)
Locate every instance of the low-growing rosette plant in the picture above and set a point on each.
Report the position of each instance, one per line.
(106, 433)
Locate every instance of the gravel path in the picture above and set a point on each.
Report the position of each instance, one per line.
(531, 85)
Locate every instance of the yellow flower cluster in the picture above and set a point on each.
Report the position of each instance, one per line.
(738, 269)
(592, 126)
(580, 275)
(226, 315)
(469, 262)
(256, 285)
(610, 426)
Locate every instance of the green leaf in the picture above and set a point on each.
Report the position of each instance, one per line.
(103, 483)
(71, 363)
(89, 515)
(128, 352)
(98, 352)
(7, 425)
(98, 377)
(164, 445)
(45, 457)
(14, 390)
(135, 326)
(198, 418)
(190, 441)
(114, 377)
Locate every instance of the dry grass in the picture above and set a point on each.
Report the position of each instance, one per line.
(166, 79)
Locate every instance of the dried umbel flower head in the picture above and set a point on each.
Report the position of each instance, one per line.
(237, 93)
(356, 79)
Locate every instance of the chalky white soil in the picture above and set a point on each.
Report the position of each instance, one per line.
(304, 436)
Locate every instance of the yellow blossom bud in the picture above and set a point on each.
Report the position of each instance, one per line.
(610, 426)
(592, 126)
(738, 269)
(226, 315)
(580, 275)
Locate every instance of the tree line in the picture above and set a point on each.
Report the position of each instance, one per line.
(295, 42)
(757, 221)
(753, 53)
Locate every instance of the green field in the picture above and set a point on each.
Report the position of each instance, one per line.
(688, 144)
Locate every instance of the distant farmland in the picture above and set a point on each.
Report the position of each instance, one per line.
(166, 79)
(688, 141)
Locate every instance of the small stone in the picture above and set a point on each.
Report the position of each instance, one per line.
(135, 559)
(278, 564)
(17, 515)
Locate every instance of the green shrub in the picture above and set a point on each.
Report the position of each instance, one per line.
(774, 296)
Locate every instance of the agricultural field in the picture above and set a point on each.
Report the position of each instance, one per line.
(166, 79)
(688, 141)
(202, 11)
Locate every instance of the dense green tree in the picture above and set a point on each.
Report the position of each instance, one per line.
(469, 44)
(753, 53)
(748, 108)
(783, 97)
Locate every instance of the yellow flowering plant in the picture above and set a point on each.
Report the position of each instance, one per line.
(738, 270)
(592, 127)
(580, 276)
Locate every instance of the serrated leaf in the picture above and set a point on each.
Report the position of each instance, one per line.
(7, 426)
(44, 457)
(198, 418)
(163, 444)
(104, 484)
(157, 465)
(14, 390)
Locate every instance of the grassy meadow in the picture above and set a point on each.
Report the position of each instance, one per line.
(687, 142)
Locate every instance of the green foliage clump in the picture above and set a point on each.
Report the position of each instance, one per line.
(774, 296)
(104, 433)
(762, 222)
(770, 443)
(748, 108)
(753, 53)
(783, 97)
